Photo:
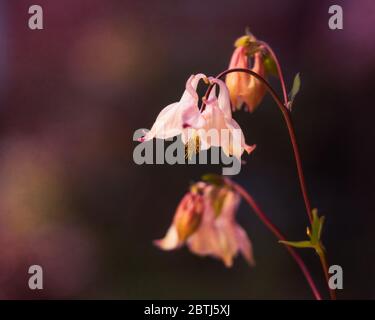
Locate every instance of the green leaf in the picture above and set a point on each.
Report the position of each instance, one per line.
(295, 89)
(298, 244)
(314, 233)
(316, 227)
(296, 86)
(214, 179)
(270, 65)
(322, 219)
(217, 199)
(218, 205)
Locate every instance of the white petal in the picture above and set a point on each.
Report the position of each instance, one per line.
(238, 139)
(244, 245)
(168, 123)
(224, 98)
(170, 241)
(192, 118)
(190, 94)
(230, 205)
(208, 125)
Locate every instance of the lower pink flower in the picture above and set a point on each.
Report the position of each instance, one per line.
(205, 222)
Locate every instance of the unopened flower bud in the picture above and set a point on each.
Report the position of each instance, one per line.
(189, 215)
(243, 87)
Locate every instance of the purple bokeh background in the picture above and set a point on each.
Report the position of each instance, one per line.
(71, 96)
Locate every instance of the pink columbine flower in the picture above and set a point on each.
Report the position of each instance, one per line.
(185, 118)
(217, 115)
(243, 87)
(205, 222)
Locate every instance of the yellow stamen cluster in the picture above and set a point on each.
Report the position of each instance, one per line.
(192, 147)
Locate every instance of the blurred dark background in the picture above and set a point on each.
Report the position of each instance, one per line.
(71, 96)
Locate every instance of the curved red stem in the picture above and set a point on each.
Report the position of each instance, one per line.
(262, 216)
(286, 114)
(279, 71)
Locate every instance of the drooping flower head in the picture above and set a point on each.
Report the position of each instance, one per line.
(205, 222)
(195, 127)
(244, 88)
